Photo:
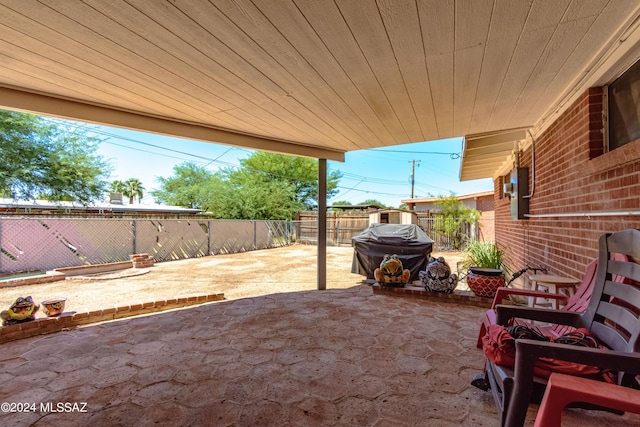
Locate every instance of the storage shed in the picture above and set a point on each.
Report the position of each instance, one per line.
(393, 216)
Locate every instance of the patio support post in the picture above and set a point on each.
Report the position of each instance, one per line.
(322, 224)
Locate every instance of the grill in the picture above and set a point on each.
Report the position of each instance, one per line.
(408, 241)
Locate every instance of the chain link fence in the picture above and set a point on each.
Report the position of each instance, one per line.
(41, 244)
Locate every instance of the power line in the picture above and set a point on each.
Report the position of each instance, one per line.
(362, 179)
(453, 156)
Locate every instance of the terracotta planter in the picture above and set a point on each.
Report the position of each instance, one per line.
(54, 307)
(484, 286)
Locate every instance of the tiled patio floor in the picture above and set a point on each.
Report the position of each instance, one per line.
(340, 357)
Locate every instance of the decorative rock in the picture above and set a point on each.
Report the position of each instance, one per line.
(22, 310)
(438, 277)
(391, 272)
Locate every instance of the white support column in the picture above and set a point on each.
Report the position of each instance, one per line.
(322, 224)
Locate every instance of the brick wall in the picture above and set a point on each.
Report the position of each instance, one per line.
(573, 174)
(485, 204)
(142, 260)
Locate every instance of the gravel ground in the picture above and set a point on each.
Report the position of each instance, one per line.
(248, 274)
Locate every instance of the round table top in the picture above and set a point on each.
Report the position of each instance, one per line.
(553, 279)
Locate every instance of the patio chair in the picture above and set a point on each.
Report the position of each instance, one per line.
(616, 324)
(577, 302)
(563, 390)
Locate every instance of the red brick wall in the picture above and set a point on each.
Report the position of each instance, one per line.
(485, 203)
(572, 175)
(488, 226)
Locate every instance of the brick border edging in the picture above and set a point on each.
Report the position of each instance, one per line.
(80, 270)
(68, 320)
(459, 297)
(48, 277)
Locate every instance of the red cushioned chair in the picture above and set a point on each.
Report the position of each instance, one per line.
(612, 316)
(576, 303)
(563, 390)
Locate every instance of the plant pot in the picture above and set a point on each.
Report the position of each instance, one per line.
(54, 307)
(483, 285)
(484, 271)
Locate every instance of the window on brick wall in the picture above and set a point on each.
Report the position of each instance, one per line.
(623, 104)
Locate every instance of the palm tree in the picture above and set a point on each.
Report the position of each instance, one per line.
(133, 187)
(117, 186)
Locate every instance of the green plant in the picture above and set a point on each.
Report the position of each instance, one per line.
(485, 254)
(454, 219)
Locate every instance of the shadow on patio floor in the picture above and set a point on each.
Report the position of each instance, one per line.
(341, 357)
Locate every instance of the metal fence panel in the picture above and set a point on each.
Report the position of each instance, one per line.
(233, 236)
(172, 239)
(273, 234)
(47, 243)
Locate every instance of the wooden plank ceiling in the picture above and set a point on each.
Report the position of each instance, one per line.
(309, 77)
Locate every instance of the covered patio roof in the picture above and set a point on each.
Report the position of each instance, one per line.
(314, 78)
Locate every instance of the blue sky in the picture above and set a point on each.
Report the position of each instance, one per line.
(382, 174)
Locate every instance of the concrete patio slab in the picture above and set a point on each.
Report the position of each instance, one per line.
(342, 357)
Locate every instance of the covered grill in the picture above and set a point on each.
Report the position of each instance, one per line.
(408, 241)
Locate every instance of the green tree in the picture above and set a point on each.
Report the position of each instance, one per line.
(300, 173)
(453, 218)
(265, 186)
(117, 186)
(186, 187)
(133, 188)
(43, 159)
(373, 202)
(249, 196)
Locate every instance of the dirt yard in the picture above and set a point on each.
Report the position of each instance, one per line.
(247, 274)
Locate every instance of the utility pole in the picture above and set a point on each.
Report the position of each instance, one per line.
(413, 170)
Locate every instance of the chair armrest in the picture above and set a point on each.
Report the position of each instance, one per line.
(528, 351)
(602, 358)
(503, 292)
(504, 313)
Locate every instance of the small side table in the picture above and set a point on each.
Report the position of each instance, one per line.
(552, 284)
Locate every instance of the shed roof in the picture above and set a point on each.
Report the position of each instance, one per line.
(74, 206)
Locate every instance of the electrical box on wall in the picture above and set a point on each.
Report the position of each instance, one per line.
(519, 189)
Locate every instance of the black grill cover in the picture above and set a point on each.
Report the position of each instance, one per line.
(408, 241)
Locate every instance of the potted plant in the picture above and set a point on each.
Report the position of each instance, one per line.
(485, 262)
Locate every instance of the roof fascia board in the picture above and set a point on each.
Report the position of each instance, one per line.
(490, 149)
(505, 136)
(482, 152)
(14, 99)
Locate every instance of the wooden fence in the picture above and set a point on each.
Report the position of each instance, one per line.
(342, 226)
